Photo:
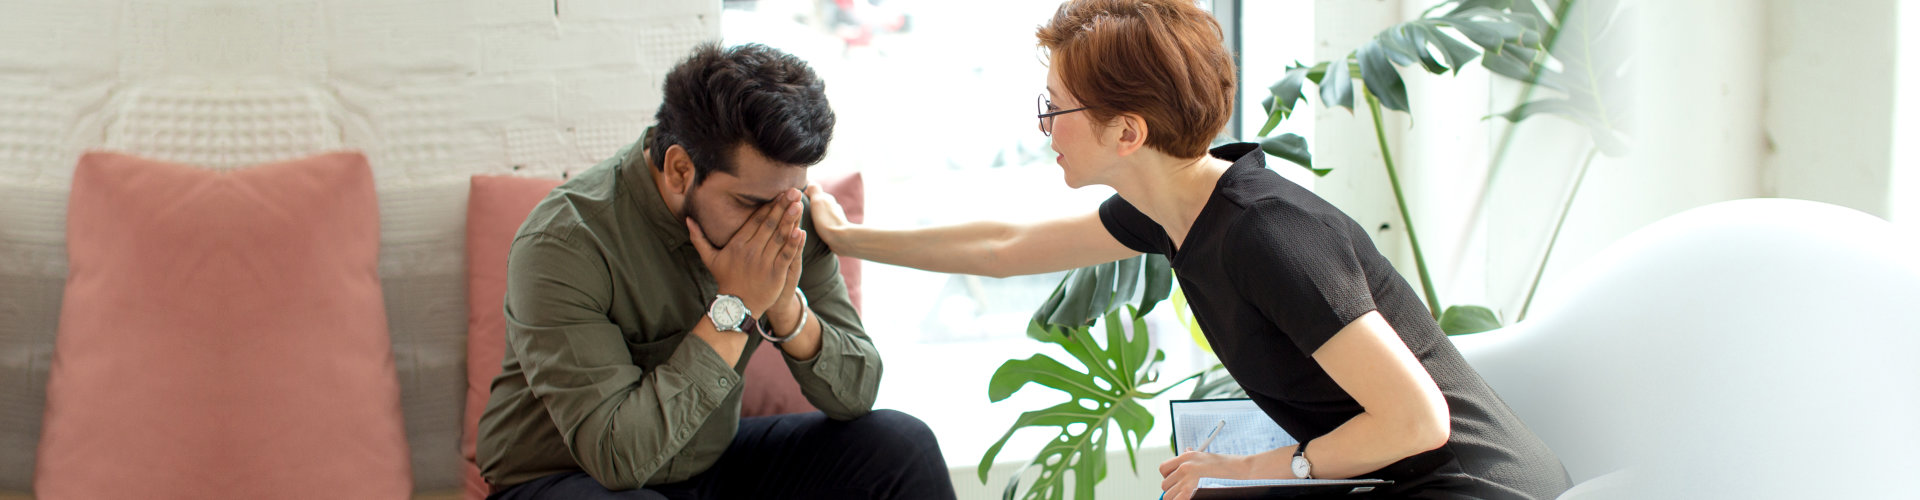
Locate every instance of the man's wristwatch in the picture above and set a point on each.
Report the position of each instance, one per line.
(1301, 468)
(729, 314)
(804, 314)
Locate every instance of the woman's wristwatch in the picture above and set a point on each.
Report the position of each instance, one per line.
(1301, 468)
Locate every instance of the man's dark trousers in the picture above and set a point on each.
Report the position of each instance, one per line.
(883, 455)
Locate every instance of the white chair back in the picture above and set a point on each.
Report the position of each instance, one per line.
(1748, 349)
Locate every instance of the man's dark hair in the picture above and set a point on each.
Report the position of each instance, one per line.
(718, 98)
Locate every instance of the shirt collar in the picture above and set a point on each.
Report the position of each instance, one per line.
(1241, 153)
(636, 178)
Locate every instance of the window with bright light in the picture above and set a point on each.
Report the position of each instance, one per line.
(1275, 34)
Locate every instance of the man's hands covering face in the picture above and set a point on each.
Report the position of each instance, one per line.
(762, 262)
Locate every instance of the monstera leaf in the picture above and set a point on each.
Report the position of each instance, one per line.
(1103, 400)
(1105, 388)
(1510, 38)
(1589, 86)
(1293, 148)
(1092, 292)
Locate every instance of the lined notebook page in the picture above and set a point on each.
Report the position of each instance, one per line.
(1248, 430)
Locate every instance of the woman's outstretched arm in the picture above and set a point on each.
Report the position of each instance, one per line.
(986, 248)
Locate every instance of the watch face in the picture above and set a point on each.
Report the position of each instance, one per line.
(727, 313)
(1300, 467)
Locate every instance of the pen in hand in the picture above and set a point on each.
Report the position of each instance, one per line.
(1204, 444)
(1210, 436)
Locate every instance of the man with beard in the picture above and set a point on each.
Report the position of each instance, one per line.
(637, 290)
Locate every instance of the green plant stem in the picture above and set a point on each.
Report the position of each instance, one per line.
(1565, 208)
(1400, 199)
(1526, 94)
(1506, 136)
(1136, 394)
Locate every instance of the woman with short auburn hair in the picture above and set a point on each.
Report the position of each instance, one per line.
(1326, 337)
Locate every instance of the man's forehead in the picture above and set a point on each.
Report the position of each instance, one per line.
(769, 183)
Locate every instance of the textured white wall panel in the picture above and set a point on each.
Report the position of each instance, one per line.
(379, 49)
(601, 96)
(226, 38)
(603, 138)
(666, 40)
(550, 48)
(223, 123)
(64, 43)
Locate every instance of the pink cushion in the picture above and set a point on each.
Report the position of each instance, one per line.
(223, 336)
(496, 207)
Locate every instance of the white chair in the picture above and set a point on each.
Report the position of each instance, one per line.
(1756, 348)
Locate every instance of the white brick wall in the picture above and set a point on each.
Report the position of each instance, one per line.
(433, 91)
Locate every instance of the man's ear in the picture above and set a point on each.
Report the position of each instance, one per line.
(1132, 129)
(679, 171)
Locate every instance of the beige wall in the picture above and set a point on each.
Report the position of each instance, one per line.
(1830, 101)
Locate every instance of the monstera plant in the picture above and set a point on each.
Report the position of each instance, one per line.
(1571, 48)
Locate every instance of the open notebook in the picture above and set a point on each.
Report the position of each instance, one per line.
(1247, 430)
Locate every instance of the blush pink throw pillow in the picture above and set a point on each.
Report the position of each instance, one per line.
(223, 336)
(496, 207)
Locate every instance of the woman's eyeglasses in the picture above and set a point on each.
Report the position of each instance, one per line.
(1047, 113)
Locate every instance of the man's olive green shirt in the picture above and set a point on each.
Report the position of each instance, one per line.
(601, 374)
